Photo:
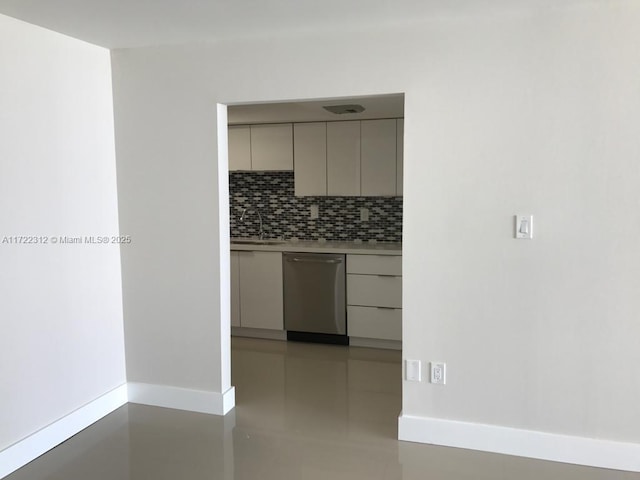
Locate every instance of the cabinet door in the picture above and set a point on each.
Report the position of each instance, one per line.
(235, 290)
(261, 302)
(310, 159)
(399, 156)
(343, 158)
(272, 147)
(239, 148)
(378, 157)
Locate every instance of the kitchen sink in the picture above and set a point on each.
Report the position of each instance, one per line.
(256, 241)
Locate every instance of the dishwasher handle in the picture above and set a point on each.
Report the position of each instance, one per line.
(313, 260)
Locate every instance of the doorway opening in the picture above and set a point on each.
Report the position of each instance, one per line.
(313, 177)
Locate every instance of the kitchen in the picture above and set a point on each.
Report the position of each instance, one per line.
(315, 194)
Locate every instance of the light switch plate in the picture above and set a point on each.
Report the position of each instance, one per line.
(524, 227)
(413, 370)
(314, 212)
(364, 214)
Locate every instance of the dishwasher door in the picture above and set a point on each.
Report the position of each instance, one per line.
(314, 294)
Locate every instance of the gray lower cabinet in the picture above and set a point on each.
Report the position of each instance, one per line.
(375, 322)
(235, 289)
(374, 297)
(374, 294)
(256, 290)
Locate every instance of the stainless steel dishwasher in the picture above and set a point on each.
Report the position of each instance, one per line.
(314, 297)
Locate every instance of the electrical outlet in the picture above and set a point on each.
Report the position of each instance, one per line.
(413, 370)
(364, 214)
(438, 373)
(314, 212)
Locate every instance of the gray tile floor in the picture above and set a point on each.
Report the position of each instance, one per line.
(304, 412)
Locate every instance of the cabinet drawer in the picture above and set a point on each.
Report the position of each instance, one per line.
(375, 264)
(374, 291)
(373, 322)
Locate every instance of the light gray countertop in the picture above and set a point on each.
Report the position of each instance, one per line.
(309, 246)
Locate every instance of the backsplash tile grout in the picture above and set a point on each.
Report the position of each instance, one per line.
(286, 216)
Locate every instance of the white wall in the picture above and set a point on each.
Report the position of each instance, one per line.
(518, 113)
(167, 183)
(61, 344)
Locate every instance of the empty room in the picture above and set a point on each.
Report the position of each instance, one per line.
(338, 239)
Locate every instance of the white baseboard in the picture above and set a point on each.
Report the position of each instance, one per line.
(375, 343)
(182, 398)
(30, 448)
(19, 454)
(523, 443)
(258, 333)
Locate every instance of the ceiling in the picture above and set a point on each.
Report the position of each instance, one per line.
(381, 106)
(136, 23)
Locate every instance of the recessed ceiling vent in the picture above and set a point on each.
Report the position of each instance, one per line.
(342, 109)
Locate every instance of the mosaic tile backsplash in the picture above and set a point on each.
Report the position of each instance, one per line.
(286, 216)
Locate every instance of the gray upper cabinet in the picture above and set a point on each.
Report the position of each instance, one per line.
(349, 158)
(272, 147)
(310, 159)
(399, 156)
(378, 157)
(261, 147)
(239, 147)
(343, 158)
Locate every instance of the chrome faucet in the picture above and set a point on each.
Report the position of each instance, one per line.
(244, 214)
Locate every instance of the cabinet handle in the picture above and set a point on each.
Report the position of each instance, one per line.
(386, 308)
(387, 276)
